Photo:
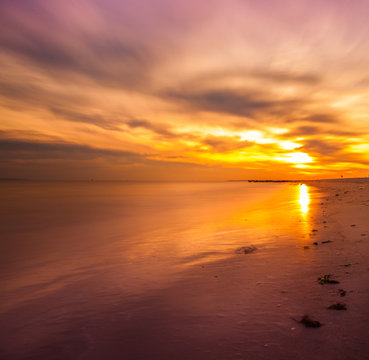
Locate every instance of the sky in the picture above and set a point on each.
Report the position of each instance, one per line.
(184, 90)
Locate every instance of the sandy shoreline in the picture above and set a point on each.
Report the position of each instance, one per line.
(215, 304)
(343, 250)
(267, 294)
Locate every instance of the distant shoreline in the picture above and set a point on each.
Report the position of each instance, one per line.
(300, 181)
(189, 181)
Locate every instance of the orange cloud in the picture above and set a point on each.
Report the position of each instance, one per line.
(135, 90)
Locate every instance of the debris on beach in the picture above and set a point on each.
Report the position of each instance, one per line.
(309, 322)
(342, 292)
(306, 247)
(337, 306)
(347, 265)
(327, 241)
(315, 243)
(353, 225)
(326, 279)
(314, 230)
(246, 249)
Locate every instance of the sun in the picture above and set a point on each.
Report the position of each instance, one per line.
(297, 158)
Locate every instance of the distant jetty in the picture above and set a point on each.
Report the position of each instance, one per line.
(273, 181)
(365, 179)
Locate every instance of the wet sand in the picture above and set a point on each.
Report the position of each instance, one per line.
(199, 298)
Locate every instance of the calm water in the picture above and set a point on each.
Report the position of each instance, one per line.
(144, 270)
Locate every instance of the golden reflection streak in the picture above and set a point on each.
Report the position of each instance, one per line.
(304, 198)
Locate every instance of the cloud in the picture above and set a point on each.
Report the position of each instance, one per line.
(225, 101)
(15, 149)
(321, 147)
(74, 51)
(246, 74)
(24, 94)
(159, 129)
(222, 144)
(309, 130)
(321, 118)
(286, 77)
(304, 130)
(98, 120)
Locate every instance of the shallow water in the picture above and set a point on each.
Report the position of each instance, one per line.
(56, 233)
(93, 270)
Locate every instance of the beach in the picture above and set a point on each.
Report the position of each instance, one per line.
(222, 270)
(184, 180)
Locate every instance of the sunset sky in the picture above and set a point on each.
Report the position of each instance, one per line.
(184, 90)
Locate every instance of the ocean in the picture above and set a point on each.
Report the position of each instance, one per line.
(145, 270)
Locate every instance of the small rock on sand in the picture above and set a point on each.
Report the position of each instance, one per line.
(326, 279)
(337, 306)
(246, 249)
(309, 322)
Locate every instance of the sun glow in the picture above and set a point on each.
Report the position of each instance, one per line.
(304, 198)
(288, 145)
(296, 158)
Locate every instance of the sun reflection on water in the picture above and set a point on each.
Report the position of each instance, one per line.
(304, 198)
